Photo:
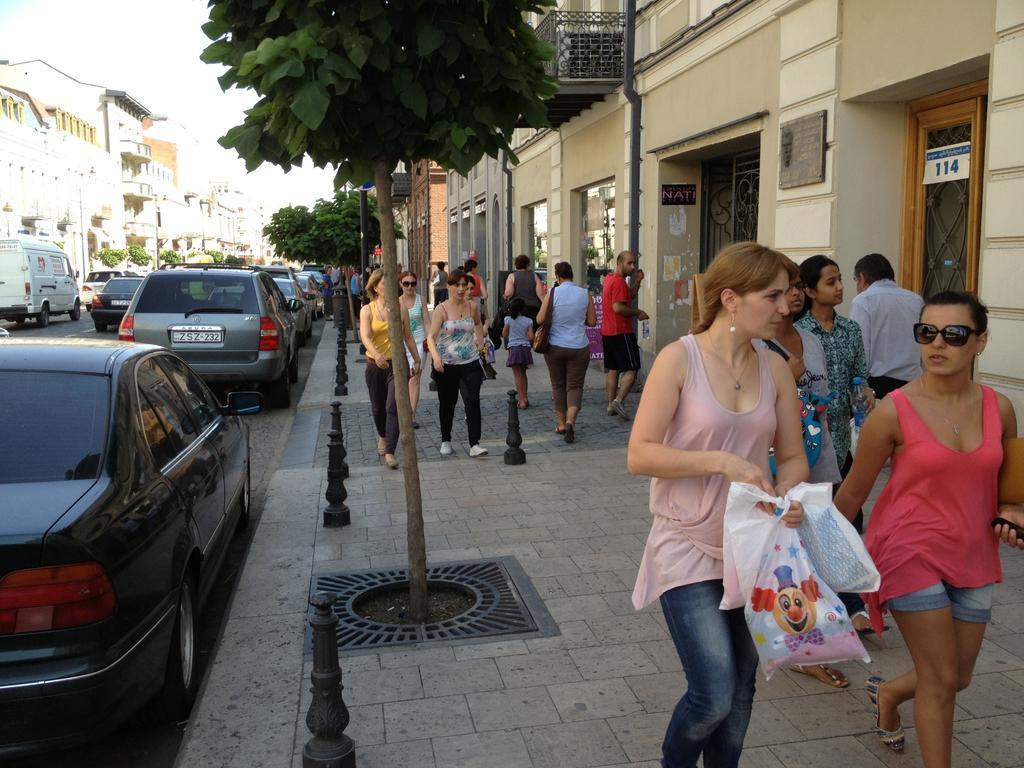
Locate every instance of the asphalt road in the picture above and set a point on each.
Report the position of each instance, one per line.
(138, 743)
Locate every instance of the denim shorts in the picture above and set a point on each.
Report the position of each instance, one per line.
(972, 604)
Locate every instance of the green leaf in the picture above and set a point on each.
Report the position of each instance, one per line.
(428, 39)
(289, 68)
(415, 98)
(310, 104)
(275, 11)
(458, 137)
(214, 29)
(217, 52)
(342, 66)
(357, 47)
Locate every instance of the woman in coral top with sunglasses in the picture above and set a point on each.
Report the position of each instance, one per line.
(931, 532)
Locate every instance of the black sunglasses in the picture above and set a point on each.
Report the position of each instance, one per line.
(409, 284)
(954, 335)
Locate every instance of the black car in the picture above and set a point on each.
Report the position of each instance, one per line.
(110, 302)
(122, 479)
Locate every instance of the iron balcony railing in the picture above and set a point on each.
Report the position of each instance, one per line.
(588, 45)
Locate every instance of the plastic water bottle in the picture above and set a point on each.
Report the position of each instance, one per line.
(859, 401)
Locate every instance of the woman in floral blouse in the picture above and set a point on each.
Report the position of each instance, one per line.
(844, 358)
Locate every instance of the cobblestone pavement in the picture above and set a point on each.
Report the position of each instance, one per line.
(598, 694)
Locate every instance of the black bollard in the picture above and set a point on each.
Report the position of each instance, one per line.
(336, 514)
(341, 370)
(336, 307)
(514, 455)
(336, 427)
(328, 716)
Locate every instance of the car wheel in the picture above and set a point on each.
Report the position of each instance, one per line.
(100, 327)
(293, 368)
(245, 513)
(76, 313)
(181, 680)
(43, 318)
(280, 392)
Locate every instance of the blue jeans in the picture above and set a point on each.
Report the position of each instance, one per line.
(720, 663)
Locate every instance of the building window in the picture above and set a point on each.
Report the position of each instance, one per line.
(537, 234)
(597, 241)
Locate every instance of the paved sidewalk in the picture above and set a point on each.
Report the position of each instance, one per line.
(600, 693)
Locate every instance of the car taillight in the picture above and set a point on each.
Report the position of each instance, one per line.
(56, 597)
(28, 289)
(268, 335)
(97, 301)
(86, 289)
(127, 330)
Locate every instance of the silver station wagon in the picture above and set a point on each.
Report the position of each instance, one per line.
(233, 325)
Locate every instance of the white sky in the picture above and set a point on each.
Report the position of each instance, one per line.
(150, 48)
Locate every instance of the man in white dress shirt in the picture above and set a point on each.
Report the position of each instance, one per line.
(886, 315)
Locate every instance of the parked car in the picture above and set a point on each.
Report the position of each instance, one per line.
(96, 280)
(303, 313)
(313, 288)
(111, 301)
(37, 281)
(112, 536)
(4, 333)
(232, 324)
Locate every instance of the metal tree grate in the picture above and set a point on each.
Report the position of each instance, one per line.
(499, 609)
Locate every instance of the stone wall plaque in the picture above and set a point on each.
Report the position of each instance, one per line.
(802, 151)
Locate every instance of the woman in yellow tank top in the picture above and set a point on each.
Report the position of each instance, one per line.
(380, 375)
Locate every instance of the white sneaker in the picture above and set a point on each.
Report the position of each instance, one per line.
(446, 449)
(477, 451)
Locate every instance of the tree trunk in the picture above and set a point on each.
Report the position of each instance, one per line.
(410, 464)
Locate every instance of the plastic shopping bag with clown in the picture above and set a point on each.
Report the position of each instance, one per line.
(793, 616)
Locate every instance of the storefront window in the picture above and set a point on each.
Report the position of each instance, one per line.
(598, 236)
(537, 225)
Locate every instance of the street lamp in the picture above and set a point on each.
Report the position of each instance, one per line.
(8, 210)
(81, 222)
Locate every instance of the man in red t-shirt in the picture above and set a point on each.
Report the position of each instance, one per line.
(479, 291)
(621, 351)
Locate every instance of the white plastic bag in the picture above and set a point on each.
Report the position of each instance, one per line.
(833, 544)
(793, 616)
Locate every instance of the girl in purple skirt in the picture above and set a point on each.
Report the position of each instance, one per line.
(518, 335)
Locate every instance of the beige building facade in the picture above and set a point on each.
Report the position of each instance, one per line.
(841, 127)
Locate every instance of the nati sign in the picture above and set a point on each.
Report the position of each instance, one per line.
(947, 163)
(678, 194)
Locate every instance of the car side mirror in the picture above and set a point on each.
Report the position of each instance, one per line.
(294, 305)
(244, 403)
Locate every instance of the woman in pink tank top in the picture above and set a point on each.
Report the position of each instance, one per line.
(930, 532)
(713, 406)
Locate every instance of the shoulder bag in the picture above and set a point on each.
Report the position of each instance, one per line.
(542, 336)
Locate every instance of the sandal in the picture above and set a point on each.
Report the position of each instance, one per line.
(523, 404)
(864, 631)
(560, 430)
(894, 740)
(570, 432)
(823, 674)
(382, 446)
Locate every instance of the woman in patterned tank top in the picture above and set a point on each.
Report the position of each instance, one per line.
(455, 341)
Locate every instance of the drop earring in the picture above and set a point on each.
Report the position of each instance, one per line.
(732, 323)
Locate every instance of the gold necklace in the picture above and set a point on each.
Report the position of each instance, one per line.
(736, 380)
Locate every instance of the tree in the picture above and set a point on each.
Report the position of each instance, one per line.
(168, 256)
(290, 231)
(138, 256)
(364, 84)
(111, 257)
(329, 234)
(232, 260)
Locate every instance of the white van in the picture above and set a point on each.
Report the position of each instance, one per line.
(36, 280)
